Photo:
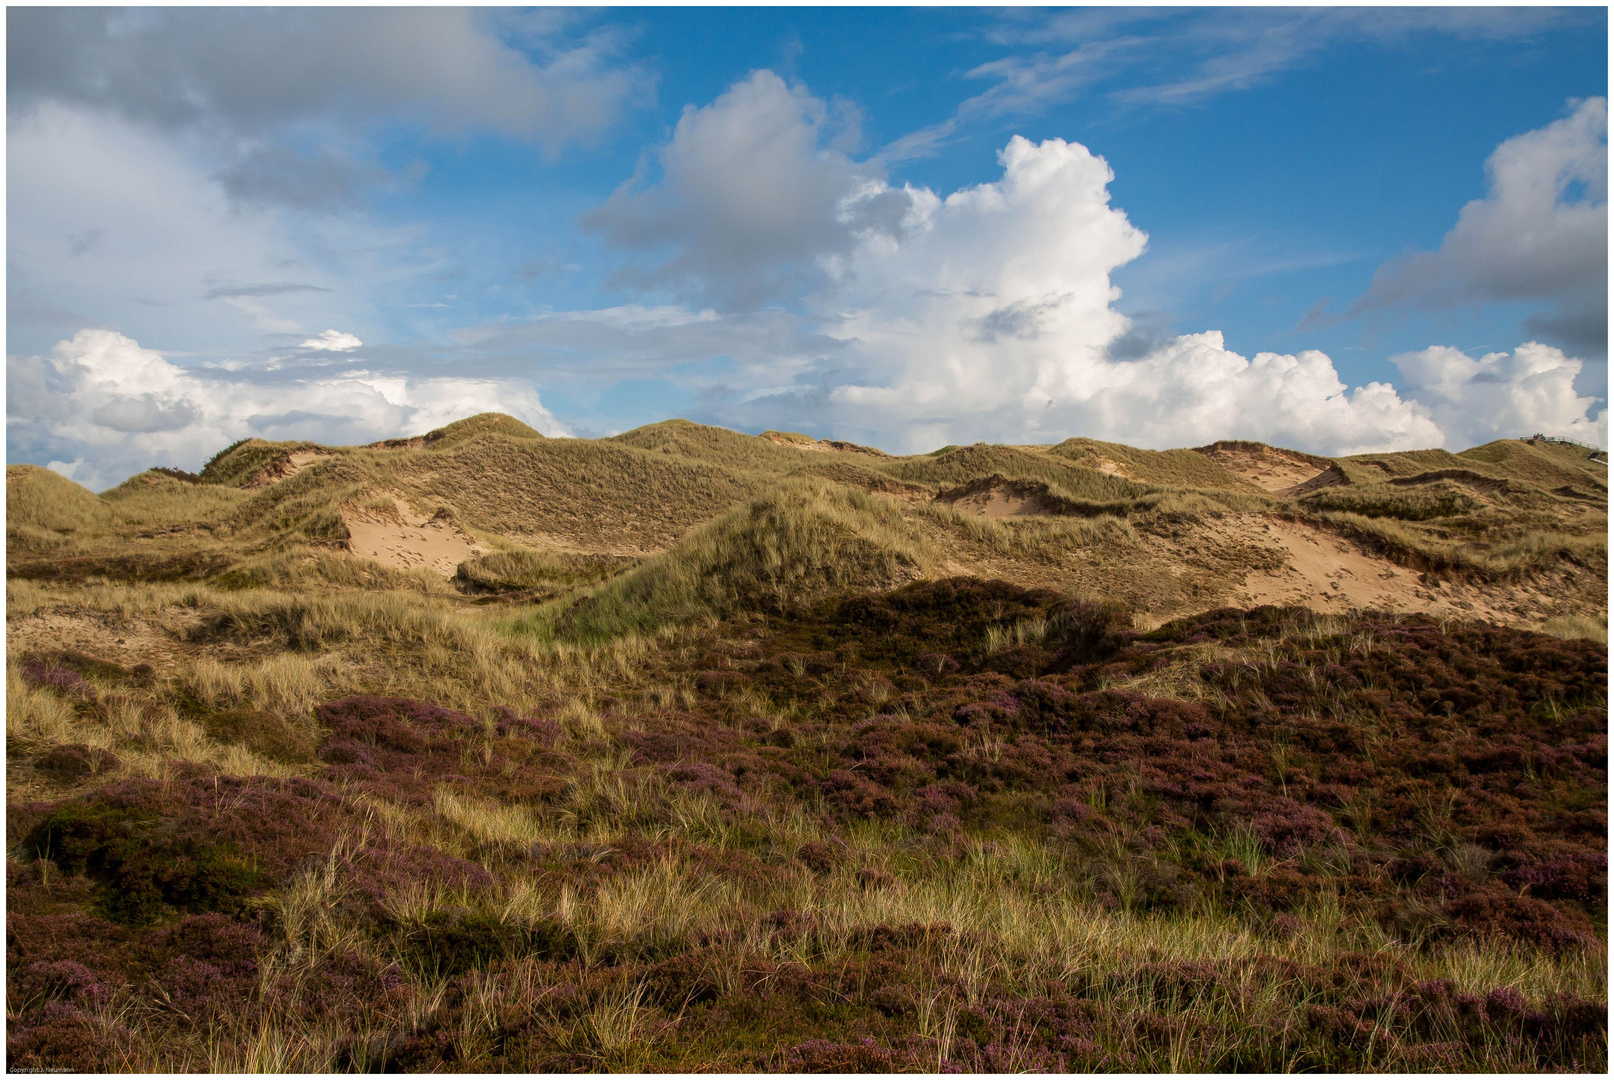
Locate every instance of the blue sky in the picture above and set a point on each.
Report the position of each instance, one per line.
(901, 226)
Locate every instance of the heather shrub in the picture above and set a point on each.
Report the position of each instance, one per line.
(848, 835)
(75, 760)
(139, 869)
(62, 1037)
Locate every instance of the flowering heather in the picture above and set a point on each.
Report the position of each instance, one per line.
(867, 835)
(58, 678)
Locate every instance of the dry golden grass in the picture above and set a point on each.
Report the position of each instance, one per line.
(414, 645)
(316, 568)
(959, 465)
(564, 514)
(545, 572)
(1578, 626)
(1017, 916)
(37, 719)
(730, 524)
(1496, 556)
(1546, 465)
(286, 684)
(1176, 468)
(145, 737)
(41, 499)
(1033, 537)
(154, 500)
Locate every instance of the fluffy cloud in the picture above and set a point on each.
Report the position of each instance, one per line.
(113, 408)
(751, 202)
(984, 314)
(1503, 395)
(292, 109)
(989, 313)
(1540, 234)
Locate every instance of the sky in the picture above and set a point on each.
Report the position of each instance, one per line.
(1340, 230)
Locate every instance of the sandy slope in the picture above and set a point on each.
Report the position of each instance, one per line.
(999, 501)
(1329, 573)
(286, 465)
(408, 542)
(1268, 467)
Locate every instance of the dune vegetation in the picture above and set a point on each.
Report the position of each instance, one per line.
(731, 752)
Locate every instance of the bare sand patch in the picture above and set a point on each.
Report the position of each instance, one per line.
(1329, 572)
(408, 542)
(282, 467)
(998, 497)
(996, 503)
(1326, 572)
(1109, 467)
(1333, 476)
(1271, 469)
(103, 635)
(823, 446)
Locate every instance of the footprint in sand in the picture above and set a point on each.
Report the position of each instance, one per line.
(408, 545)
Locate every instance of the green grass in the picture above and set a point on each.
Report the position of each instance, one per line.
(1437, 500)
(808, 539)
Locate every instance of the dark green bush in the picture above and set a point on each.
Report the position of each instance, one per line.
(140, 865)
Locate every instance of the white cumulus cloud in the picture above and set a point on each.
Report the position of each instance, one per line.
(988, 313)
(333, 341)
(115, 408)
(1503, 395)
